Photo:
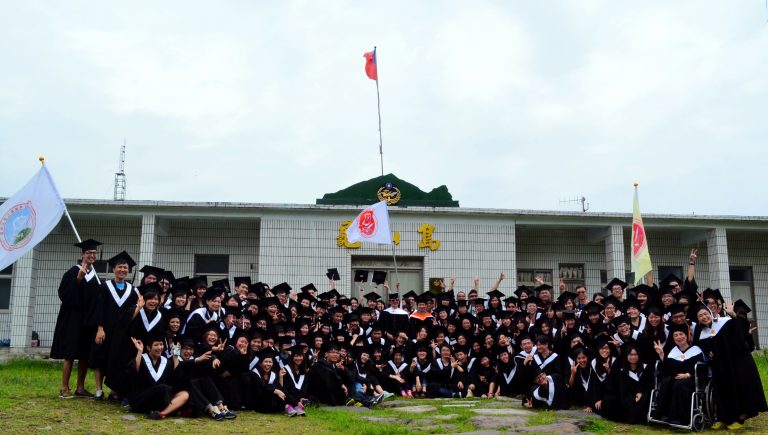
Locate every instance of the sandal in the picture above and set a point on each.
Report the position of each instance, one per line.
(65, 394)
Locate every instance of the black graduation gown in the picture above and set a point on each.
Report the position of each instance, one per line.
(392, 369)
(325, 381)
(675, 394)
(603, 387)
(263, 398)
(196, 322)
(294, 386)
(152, 388)
(235, 376)
(66, 336)
(552, 396)
(629, 384)
(442, 379)
(549, 365)
(115, 310)
(737, 380)
(146, 323)
(396, 323)
(508, 379)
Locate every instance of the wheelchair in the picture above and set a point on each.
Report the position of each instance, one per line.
(703, 403)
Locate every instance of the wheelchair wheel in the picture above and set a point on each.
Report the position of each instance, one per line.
(710, 402)
(697, 424)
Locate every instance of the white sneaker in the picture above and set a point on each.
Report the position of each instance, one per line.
(98, 395)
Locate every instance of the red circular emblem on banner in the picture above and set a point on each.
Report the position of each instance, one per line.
(638, 238)
(367, 223)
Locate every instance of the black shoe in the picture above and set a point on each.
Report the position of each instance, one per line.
(155, 415)
(229, 415)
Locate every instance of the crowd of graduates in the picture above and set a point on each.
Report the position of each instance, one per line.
(189, 347)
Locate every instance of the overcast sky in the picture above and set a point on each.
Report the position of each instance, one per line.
(509, 104)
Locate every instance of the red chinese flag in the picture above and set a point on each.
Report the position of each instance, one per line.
(370, 65)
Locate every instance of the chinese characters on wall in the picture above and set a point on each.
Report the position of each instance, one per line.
(426, 239)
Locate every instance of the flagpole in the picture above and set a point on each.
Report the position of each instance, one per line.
(69, 218)
(378, 105)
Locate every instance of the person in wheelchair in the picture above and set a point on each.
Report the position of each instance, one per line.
(677, 384)
(726, 344)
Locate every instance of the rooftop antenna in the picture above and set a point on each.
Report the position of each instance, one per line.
(581, 200)
(120, 176)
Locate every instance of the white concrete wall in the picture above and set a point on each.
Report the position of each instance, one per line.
(301, 249)
(546, 248)
(178, 240)
(751, 249)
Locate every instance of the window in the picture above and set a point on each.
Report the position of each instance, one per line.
(213, 266)
(665, 271)
(743, 288)
(527, 277)
(5, 288)
(409, 272)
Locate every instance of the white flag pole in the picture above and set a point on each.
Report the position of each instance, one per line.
(66, 213)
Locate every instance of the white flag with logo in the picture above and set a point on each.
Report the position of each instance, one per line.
(28, 216)
(372, 225)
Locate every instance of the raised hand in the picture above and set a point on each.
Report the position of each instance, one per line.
(140, 302)
(137, 344)
(692, 258)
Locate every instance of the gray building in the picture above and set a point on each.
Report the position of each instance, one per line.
(297, 243)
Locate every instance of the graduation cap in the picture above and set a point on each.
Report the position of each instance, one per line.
(523, 289)
(211, 326)
(221, 283)
(511, 299)
(365, 310)
(687, 294)
(409, 294)
(569, 314)
(304, 296)
(180, 287)
(121, 258)
(152, 270)
(644, 289)
(235, 311)
(198, 281)
(211, 293)
(612, 300)
(631, 302)
(741, 307)
(334, 294)
(424, 298)
(333, 274)
(495, 294)
(669, 279)
(361, 275)
(543, 287)
(379, 276)
(309, 287)
(713, 294)
(593, 308)
(372, 296)
(682, 327)
(242, 280)
(532, 300)
(282, 288)
(168, 275)
(88, 245)
(617, 282)
(653, 309)
(395, 296)
(462, 303)
(676, 309)
(620, 320)
(151, 288)
(567, 295)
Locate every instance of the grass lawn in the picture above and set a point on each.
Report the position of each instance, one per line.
(29, 403)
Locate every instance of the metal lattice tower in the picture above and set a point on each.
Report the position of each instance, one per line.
(120, 177)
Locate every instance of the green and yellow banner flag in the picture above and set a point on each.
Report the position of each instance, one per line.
(641, 257)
